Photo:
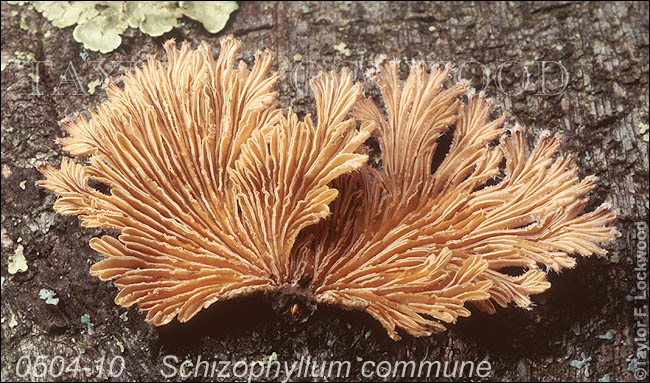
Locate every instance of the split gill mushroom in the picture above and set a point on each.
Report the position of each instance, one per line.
(217, 193)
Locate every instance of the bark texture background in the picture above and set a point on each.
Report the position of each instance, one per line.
(604, 48)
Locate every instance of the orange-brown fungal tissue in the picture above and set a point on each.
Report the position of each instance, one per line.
(216, 192)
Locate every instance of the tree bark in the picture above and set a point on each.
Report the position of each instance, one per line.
(580, 69)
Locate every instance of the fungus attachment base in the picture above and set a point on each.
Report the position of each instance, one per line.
(293, 303)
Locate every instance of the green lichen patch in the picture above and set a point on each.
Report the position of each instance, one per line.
(18, 58)
(13, 322)
(643, 129)
(102, 33)
(85, 319)
(93, 85)
(100, 24)
(212, 14)
(342, 49)
(118, 343)
(607, 336)
(584, 362)
(48, 296)
(269, 358)
(152, 18)
(64, 14)
(17, 262)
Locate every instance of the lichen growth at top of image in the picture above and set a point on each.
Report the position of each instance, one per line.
(100, 24)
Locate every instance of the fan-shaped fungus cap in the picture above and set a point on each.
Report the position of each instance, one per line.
(211, 184)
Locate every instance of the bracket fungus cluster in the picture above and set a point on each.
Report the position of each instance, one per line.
(217, 193)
